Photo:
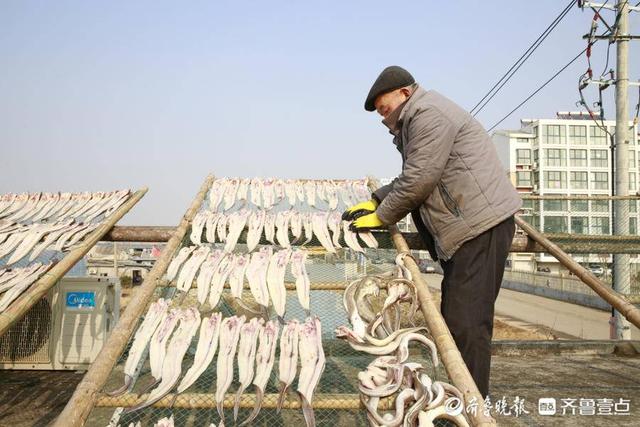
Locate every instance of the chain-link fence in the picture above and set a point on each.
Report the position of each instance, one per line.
(585, 227)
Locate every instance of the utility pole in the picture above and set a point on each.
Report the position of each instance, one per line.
(621, 276)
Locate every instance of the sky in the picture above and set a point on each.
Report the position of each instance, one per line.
(120, 94)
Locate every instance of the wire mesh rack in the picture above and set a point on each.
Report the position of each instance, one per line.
(336, 400)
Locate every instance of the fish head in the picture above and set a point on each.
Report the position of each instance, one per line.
(346, 333)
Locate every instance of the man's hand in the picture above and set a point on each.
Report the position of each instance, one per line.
(360, 209)
(366, 222)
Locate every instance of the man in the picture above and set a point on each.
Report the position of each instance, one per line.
(461, 201)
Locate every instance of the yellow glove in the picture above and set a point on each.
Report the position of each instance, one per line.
(360, 209)
(366, 222)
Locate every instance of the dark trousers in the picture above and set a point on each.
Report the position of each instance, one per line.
(472, 279)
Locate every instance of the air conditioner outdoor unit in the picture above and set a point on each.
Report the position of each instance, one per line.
(535, 188)
(66, 329)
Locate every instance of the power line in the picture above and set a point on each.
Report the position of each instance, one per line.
(538, 90)
(523, 58)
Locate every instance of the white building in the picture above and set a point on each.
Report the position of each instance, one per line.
(568, 155)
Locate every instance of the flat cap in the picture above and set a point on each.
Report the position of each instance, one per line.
(391, 78)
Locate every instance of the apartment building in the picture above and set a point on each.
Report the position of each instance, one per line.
(568, 155)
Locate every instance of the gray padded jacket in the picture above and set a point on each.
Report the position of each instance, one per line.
(450, 173)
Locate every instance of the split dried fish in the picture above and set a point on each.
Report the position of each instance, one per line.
(256, 225)
(247, 347)
(205, 351)
(177, 261)
(275, 280)
(229, 336)
(299, 272)
(257, 275)
(265, 358)
(189, 320)
(312, 363)
(141, 340)
(191, 267)
(207, 269)
(288, 361)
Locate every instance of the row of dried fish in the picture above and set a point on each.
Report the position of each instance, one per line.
(264, 270)
(270, 192)
(162, 422)
(278, 228)
(33, 239)
(168, 334)
(34, 207)
(14, 281)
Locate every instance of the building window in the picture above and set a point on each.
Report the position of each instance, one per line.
(556, 157)
(633, 206)
(578, 157)
(523, 140)
(523, 156)
(632, 159)
(633, 225)
(579, 180)
(578, 135)
(555, 179)
(597, 135)
(579, 205)
(555, 134)
(632, 181)
(600, 180)
(600, 225)
(600, 206)
(599, 158)
(523, 178)
(580, 225)
(555, 205)
(555, 224)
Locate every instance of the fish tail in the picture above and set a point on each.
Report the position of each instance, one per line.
(256, 407)
(307, 410)
(236, 405)
(121, 390)
(281, 396)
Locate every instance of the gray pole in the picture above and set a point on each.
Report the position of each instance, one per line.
(621, 277)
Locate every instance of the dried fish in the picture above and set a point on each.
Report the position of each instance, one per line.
(319, 223)
(197, 226)
(190, 268)
(275, 280)
(299, 272)
(265, 358)
(257, 275)
(141, 340)
(312, 362)
(247, 347)
(282, 227)
(288, 362)
(229, 336)
(218, 280)
(236, 278)
(207, 269)
(205, 351)
(237, 221)
(189, 320)
(177, 261)
(256, 224)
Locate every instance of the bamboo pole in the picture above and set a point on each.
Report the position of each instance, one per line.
(139, 233)
(569, 243)
(448, 350)
(269, 401)
(39, 289)
(449, 354)
(318, 286)
(628, 310)
(83, 399)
